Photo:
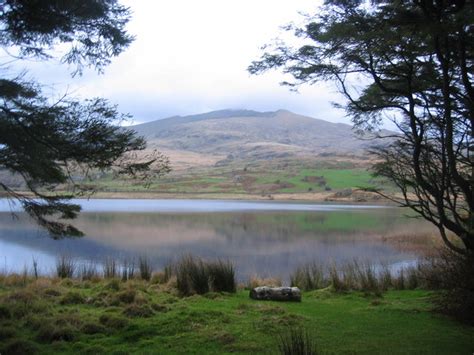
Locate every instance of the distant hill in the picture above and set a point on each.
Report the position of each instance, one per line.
(245, 134)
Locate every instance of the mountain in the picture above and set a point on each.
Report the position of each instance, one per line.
(245, 134)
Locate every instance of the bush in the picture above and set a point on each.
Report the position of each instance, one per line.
(296, 342)
(65, 267)
(222, 276)
(451, 274)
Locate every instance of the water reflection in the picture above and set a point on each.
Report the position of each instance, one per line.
(260, 242)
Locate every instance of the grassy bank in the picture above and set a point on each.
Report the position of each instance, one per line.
(52, 315)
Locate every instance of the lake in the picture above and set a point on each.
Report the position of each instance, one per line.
(260, 238)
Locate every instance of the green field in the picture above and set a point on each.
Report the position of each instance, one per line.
(261, 179)
(53, 316)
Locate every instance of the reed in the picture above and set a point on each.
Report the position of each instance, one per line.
(65, 267)
(88, 271)
(110, 268)
(309, 277)
(128, 269)
(222, 276)
(145, 268)
(296, 341)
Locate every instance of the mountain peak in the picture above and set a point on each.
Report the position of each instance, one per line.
(227, 113)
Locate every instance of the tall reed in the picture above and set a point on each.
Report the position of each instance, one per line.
(88, 271)
(65, 266)
(110, 268)
(309, 277)
(194, 275)
(296, 341)
(222, 276)
(128, 269)
(145, 268)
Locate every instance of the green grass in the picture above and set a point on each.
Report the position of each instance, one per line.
(141, 317)
(336, 179)
(259, 180)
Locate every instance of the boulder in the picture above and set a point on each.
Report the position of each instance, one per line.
(292, 294)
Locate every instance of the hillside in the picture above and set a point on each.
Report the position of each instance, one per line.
(249, 154)
(222, 136)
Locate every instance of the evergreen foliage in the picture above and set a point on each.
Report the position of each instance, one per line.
(412, 62)
(48, 142)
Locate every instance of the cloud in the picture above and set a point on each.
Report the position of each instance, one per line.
(191, 57)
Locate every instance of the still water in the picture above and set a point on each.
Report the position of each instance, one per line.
(264, 238)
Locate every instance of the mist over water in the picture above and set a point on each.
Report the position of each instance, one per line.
(260, 238)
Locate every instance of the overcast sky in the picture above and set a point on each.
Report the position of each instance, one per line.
(191, 57)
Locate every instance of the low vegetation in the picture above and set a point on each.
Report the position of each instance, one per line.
(356, 276)
(297, 341)
(256, 178)
(95, 312)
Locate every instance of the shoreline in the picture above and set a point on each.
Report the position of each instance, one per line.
(321, 197)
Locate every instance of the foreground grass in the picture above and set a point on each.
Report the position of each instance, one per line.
(108, 316)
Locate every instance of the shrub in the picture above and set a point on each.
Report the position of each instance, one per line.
(65, 267)
(451, 274)
(296, 342)
(222, 276)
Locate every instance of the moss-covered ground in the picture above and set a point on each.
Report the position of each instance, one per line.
(54, 316)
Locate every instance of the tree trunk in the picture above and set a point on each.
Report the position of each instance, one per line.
(276, 293)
